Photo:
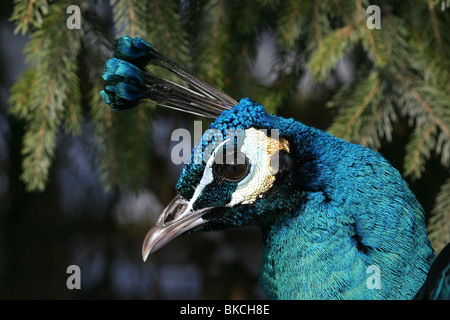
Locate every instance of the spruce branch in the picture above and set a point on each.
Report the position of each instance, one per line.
(378, 125)
(127, 17)
(443, 148)
(105, 138)
(212, 44)
(373, 45)
(418, 150)
(439, 224)
(46, 92)
(164, 23)
(316, 24)
(22, 93)
(292, 22)
(98, 48)
(28, 14)
(436, 31)
(335, 45)
(430, 112)
(349, 122)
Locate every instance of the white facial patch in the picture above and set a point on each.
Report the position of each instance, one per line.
(258, 148)
(207, 178)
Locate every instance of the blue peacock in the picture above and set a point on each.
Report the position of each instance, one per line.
(331, 212)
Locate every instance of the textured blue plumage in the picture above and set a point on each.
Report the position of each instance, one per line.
(124, 84)
(340, 219)
(134, 50)
(351, 209)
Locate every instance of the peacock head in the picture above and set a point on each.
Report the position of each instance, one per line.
(240, 172)
(237, 175)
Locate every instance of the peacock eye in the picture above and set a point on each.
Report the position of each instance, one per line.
(235, 171)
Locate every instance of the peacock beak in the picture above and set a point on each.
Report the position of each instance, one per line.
(177, 218)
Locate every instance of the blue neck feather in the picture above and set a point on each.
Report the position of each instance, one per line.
(356, 213)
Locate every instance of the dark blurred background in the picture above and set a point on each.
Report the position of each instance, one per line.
(77, 221)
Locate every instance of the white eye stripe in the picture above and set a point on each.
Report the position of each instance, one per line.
(207, 177)
(256, 147)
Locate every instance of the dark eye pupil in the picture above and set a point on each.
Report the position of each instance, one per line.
(234, 171)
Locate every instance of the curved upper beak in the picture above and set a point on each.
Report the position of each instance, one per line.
(177, 218)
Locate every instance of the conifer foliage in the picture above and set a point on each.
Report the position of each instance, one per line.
(403, 72)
